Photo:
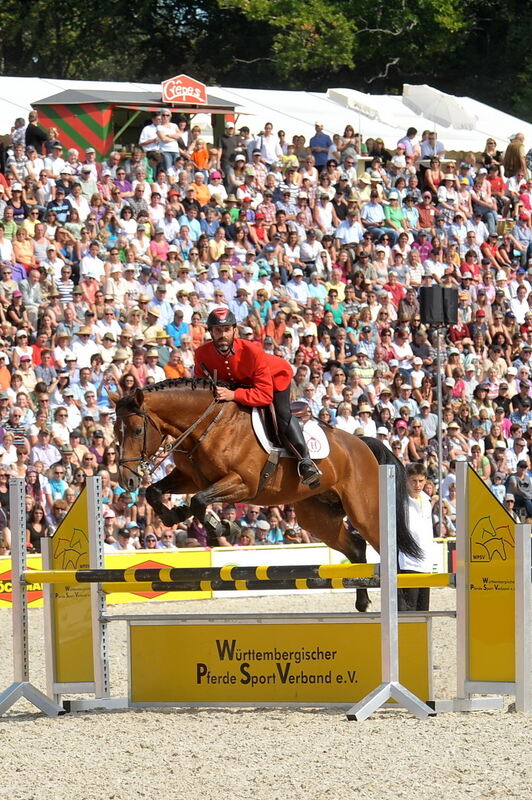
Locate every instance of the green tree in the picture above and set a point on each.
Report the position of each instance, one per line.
(324, 37)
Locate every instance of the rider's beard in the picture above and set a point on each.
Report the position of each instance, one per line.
(225, 345)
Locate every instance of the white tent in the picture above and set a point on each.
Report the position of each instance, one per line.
(387, 116)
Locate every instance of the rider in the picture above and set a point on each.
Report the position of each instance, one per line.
(258, 378)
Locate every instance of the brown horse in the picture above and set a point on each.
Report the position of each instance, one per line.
(219, 460)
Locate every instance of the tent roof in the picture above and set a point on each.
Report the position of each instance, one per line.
(386, 116)
(151, 99)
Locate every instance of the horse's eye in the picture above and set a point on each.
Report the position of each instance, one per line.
(137, 431)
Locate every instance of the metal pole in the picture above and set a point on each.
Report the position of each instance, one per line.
(440, 432)
(21, 687)
(523, 624)
(21, 666)
(390, 688)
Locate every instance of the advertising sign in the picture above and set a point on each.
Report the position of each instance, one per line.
(491, 586)
(71, 605)
(183, 89)
(334, 660)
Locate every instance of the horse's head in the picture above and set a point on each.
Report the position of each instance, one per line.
(138, 435)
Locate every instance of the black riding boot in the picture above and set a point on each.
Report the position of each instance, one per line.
(295, 441)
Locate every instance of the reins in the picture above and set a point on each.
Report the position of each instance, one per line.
(148, 464)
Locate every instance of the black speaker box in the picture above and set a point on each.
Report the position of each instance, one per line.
(438, 306)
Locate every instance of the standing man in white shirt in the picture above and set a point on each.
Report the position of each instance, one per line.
(420, 516)
(148, 139)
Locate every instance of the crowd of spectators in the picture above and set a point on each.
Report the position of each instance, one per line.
(109, 269)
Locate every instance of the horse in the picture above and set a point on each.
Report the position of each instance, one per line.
(218, 460)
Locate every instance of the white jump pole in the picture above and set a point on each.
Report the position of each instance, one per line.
(523, 623)
(21, 687)
(390, 688)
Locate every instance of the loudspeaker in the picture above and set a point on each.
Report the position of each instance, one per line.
(450, 306)
(431, 305)
(438, 306)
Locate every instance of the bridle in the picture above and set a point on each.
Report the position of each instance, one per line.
(148, 464)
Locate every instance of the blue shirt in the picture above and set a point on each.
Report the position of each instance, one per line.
(193, 225)
(320, 140)
(209, 228)
(177, 331)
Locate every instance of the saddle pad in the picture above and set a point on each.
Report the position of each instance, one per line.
(317, 442)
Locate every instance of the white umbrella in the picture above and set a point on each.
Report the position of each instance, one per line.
(444, 109)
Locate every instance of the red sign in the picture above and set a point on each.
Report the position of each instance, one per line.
(34, 590)
(147, 565)
(183, 89)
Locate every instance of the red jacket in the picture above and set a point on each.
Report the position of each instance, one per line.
(249, 366)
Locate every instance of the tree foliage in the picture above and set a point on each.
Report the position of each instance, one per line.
(472, 47)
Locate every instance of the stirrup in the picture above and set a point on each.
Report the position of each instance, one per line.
(312, 479)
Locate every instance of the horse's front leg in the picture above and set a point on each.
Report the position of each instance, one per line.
(229, 489)
(177, 484)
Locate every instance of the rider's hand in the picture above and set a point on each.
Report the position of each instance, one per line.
(222, 393)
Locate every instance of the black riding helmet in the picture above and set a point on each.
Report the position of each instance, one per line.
(221, 316)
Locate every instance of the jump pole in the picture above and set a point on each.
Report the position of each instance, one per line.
(22, 687)
(390, 688)
(101, 690)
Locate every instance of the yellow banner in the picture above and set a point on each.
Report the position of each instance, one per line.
(491, 586)
(153, 559)
(142, 558)
(71, 605)
(279, 663)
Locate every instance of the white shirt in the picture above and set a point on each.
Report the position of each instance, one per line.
(147, 133)
(54, 165)
(420, 518)
(83, 352)
(80, 204)
(269, 148)
(348, 425)
(519, 307)
(349, 233)
(6, 250)
(171, 146)
(299, 291)
(92, 266)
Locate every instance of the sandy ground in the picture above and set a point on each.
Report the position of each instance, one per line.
(272, 754)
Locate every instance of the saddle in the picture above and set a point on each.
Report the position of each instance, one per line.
(266, 430)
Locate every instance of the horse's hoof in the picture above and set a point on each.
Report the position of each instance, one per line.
(362, 605)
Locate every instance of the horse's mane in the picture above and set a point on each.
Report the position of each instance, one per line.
(181, 383)
(127, 401)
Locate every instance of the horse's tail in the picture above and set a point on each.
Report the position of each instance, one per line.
(405, 541)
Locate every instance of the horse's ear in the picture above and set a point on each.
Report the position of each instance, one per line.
(139, 397)
(113, 397)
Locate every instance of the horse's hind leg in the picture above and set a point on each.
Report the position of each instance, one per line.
(359, 549)
(327, 523)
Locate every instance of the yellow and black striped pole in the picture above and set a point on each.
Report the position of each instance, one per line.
(234, 578)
